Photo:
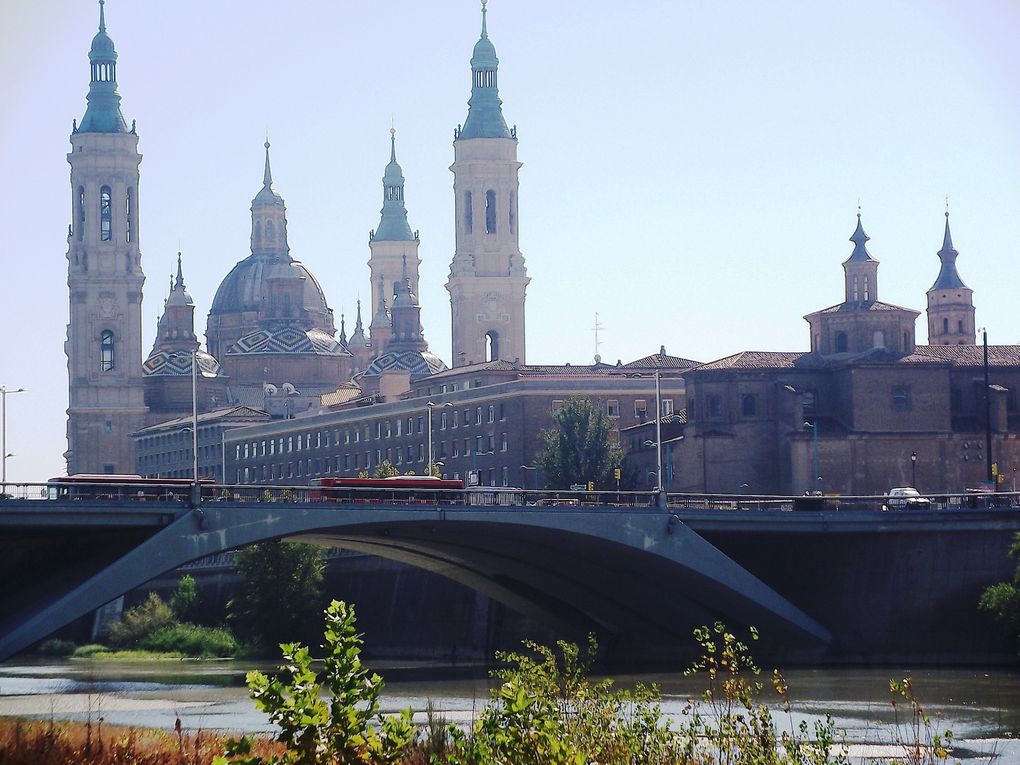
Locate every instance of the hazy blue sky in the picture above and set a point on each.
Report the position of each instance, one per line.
(691, 169)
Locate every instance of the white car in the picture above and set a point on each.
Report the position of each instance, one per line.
(905, 498)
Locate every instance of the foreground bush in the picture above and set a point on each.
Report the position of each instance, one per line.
(346, 729)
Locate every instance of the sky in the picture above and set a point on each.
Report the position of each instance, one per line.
(691, 170)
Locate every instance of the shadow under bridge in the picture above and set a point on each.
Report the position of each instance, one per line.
(640, 579)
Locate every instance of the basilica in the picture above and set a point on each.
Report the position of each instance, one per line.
(272, 345)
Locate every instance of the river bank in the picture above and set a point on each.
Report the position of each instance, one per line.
(982, 708)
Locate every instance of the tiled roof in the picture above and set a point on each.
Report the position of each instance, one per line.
(972, 355)
(231, 414)
(663, 361)
(875, 306)
(344, 394)
(756, 360)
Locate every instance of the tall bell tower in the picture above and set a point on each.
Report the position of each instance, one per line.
(104, 278)
(487, 276)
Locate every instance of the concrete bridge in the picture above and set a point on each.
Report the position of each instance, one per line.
(844, 585)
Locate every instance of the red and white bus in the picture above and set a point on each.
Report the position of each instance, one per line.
(409, 489)
(106, 486)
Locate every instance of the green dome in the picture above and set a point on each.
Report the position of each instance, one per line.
(102, 48)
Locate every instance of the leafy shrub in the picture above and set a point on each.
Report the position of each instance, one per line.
(137, 623)
(190, 640)
(90, 649)
(345, 729)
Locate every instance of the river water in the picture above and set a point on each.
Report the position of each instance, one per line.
(981, 707)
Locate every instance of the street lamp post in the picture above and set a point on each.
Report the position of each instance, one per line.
(196, 494)
(913, 469)
(3, 417)
(429, 406)
(988, 413)
(658, 435)
(816, 479)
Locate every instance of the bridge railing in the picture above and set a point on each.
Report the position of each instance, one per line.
(179, 493)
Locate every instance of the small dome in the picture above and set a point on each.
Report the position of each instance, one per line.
(247, 282)
(418, 363)
(484, 55)
(102, 48)
(267, 196)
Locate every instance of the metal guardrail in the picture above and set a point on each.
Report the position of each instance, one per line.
(178, 494)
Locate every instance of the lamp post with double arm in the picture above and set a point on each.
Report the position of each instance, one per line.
(4, 392)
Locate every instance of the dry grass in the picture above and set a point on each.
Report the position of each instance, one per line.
(68, 743)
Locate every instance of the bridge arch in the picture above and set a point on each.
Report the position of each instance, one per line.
(638, 577)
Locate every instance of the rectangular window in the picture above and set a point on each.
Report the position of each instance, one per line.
(640, 409)
(901, 399)
(378, 430)
(492, 413)
(667, 407)
(456, 417)
(442, 421)
(506, 476)
(713, 406)
(421, 424)
(467, 447)
(502, 442)
(455, 446)
(400, 427)
(502, 412)
(478, 416)
(467, 416)
(613, 407)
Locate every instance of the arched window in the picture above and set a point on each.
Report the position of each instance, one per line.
(841, 343)
(105, 214)
(867, 290)
(106, 357)
(856, 294)
(959, 326)
(468, 216)
(81, 212)
(491, 346)
(269, 231)
(513, 213)
(878, 339)
(945, 326)
(490, 212)
(129, 215)
(258, 232)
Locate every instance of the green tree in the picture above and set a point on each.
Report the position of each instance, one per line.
(1003, 599)
(577, 448)
(185, 601)
(281, 592)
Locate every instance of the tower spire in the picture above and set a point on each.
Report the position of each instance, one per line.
(103, 112)
(393, 225)
(485, 113)
(267, 176)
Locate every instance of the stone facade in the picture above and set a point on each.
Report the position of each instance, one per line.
(486, 421)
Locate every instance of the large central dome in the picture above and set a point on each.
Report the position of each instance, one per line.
(244, 288)
(268, 285)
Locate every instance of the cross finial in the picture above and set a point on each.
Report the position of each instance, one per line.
(102, 16)
(947, 205)
(485, 32)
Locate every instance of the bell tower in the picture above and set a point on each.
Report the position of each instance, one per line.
(104, 278)
(487, 276)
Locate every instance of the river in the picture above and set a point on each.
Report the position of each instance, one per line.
(981, 707)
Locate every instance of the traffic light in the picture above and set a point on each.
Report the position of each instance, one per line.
(616, 473)
(591, 486)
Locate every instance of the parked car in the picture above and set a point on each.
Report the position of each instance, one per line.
(905, 498)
